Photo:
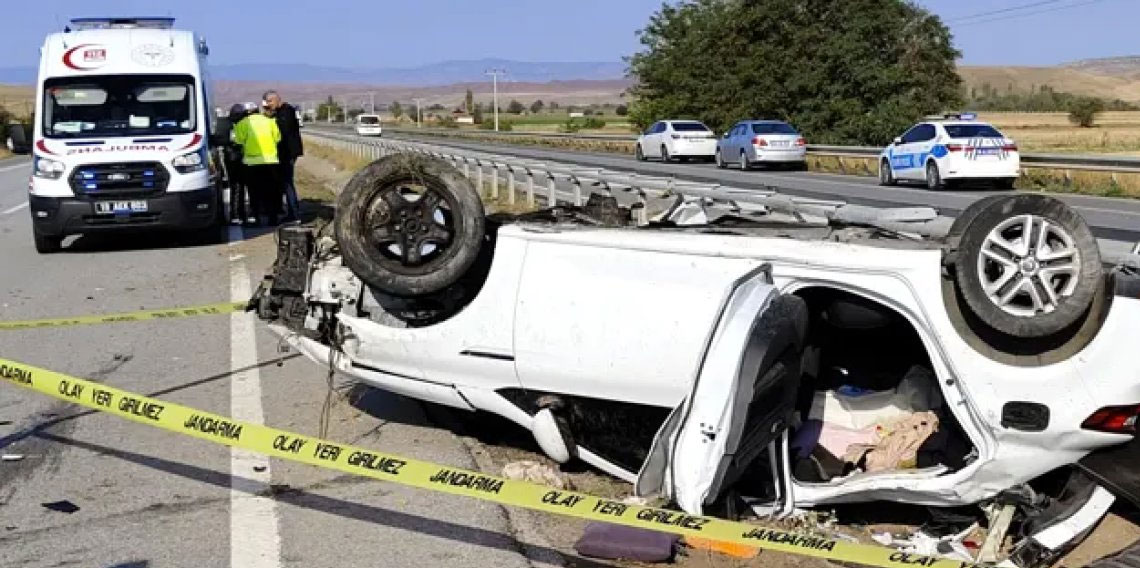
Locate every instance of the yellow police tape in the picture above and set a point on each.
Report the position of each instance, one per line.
(144, 315)
(445, 479)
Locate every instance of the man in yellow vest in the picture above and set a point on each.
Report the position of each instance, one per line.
(258, 136)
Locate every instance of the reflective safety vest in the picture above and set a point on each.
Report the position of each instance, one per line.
(258, 136)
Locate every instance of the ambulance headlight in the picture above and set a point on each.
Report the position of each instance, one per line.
(189, 163)
(48, 169)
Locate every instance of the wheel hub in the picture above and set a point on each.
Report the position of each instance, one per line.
(1029, 265)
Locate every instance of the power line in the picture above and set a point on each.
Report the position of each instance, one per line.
(1034, 13)
(1003, 10)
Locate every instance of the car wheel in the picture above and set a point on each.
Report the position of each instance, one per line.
(665, 154)
(47, 244)
(933, 176)
(1026, 265)
(886, 175)
(720, 163)
(409, 225)
(744, 165)
(638, 154)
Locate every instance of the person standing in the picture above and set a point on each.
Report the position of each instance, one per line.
(258, 136)
(289, 149)
(231, 161)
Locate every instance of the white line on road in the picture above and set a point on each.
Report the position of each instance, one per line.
(15, 167)
(11, 210)
(254, 538)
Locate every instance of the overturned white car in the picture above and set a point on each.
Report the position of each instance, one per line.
(719, 353)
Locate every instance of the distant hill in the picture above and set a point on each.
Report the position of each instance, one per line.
(1110, 78)
(1125, 67)
(443, 73)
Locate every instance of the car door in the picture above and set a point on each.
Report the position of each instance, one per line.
(647, 146)
(743, 398)
(653, 144)
(906, 157)
(731, 144)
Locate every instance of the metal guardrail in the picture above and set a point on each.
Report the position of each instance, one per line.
(484, 169)
(1101, 163)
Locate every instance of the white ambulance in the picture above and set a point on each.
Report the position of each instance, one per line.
(122, 133)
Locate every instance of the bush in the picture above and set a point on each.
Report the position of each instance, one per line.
(621, 110)
(489, 124)
(1084, 110)
(447, 122)
(574, 125)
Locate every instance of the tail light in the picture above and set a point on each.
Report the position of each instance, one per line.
(801, 142)
(758, 141)
(954, 147)
(1011, 147)
(1113, 419)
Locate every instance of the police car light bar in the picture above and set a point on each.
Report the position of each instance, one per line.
(954, 116)
(108, 23)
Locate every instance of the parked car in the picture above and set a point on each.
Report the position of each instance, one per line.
(368, 125)
(952, 148)
(719, 352)
(756, 142)
(676, 140)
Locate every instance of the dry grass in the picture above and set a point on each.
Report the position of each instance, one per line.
(18, 99)
(1063, 79)
(4, 153)
(1115, 132)
(340, 158)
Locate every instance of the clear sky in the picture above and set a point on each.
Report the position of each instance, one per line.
(402, 33)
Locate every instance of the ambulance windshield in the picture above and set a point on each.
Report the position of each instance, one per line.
(120, 105)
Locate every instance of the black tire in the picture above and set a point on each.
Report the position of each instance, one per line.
(382, 234)
(638, 154)
(720, 163)
(1004, 183)
(665, 154)
(1001, 214)
(886, 174)
(933, 176)
(47, 244)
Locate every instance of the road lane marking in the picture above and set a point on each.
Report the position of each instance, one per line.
(255, 540)
(10, 168)
(11, 210)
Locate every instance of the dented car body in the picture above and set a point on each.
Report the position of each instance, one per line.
(689, 356)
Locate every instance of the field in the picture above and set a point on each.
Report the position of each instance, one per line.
(17, 99)
(1114, 133)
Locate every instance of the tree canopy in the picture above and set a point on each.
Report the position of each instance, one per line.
(851, 72)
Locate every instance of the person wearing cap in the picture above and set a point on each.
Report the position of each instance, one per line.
(289, 149)
(258, 135)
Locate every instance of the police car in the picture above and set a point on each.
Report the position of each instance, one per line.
(948, 149)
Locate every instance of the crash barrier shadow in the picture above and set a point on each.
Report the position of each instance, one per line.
(299, 497)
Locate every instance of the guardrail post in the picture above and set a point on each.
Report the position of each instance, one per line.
(510, 185)
(466, 169)
(577, 190)
(529, 187)
(479, 182)
(494, 180)
(552, 196)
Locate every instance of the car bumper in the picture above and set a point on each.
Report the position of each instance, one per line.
(368, 131)
(693, 149)
(798, 154)
(961, 167)
(1117, 468)
(61, 216)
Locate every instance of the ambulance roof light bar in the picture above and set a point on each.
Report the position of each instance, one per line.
(79, 24)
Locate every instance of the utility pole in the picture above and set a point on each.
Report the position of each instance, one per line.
(494, 73)
(371, 103)
(419, 114)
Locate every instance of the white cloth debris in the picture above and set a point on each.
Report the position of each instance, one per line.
(534, 472)
(917, 392)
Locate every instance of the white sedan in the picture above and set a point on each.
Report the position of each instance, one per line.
(676, 140)
(794, 364)
(368, 125)
(955, 148)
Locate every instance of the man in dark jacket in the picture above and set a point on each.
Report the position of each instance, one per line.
(288, 150)
(231, 161)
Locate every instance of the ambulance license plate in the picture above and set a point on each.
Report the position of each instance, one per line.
(120, 207)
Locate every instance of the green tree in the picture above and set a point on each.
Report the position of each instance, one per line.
(515, 107)
(554, 105)
(396, 109)
(621, 110)
(1083, 111)
(536, 106)
(477, 115)
(852, 72)
(330, 109)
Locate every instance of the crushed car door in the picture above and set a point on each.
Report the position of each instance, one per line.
(742, 400)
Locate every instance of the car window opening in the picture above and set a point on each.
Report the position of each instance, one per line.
(863, 413)
(773, 128)
(689, 127)
(972, 131)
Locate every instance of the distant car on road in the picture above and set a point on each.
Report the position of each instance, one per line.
(751, 142)
(948, 149)
(368, 125)
(676, 139)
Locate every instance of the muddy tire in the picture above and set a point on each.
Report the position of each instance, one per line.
(1026, 265)
(409, 225)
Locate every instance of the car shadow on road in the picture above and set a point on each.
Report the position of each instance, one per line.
(130, 241)
(330, 505)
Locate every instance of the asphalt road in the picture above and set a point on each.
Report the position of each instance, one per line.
(148, 498)
(1112, 219)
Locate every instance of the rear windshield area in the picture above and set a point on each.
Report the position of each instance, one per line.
(773, 128)
(690, 127)
(972, 131)
(369, 120)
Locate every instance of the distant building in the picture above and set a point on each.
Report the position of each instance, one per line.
(461, 116)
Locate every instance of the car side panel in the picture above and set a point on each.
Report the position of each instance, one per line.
(572, 320)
